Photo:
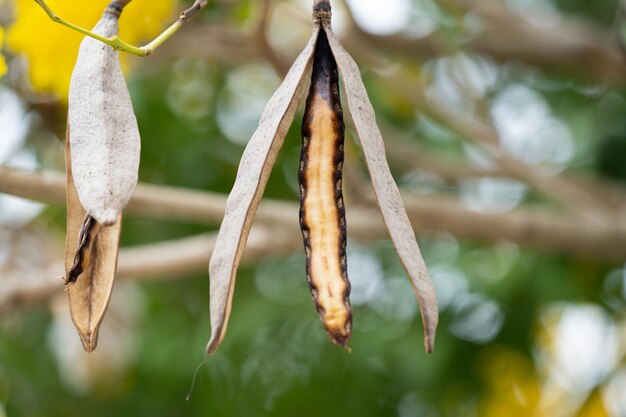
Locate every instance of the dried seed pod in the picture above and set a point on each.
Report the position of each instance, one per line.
(103, 129)
(90, 263)
(385, 188)
(252, 175)
(322, 214)
(254, 171)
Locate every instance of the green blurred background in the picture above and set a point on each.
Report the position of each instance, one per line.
(525, 330)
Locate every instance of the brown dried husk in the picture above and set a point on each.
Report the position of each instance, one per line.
(89, 296)
(254, 170)
(252, 175)
(385, 188)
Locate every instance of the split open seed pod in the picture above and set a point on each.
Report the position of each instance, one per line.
(102, 159)
(259, 157)
(90, 263)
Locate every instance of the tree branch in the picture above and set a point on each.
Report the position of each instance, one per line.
(259, 34)
(538, 228)
(568, 45)
(171, 259)
(148, 200)
(408, 155)
(486, 137)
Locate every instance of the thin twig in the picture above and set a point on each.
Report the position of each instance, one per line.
(259, 35)
(197, 6)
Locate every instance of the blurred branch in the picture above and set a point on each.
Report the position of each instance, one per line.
(408, 155)
(220, 42)
(538, 228)
(568, 43)
(486, 137)
(260, 35)
(565, 44)
(586, 201)
(215, 42)
(148, 200)
(172, 260)
(620, 25)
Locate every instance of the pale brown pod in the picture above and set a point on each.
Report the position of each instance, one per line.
(254, 171)
(96, 250)
(322, 213)
(103, 129)
(385, 188)
(252, 175)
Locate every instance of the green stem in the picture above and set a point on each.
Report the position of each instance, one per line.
(149, 48)
(119, 44)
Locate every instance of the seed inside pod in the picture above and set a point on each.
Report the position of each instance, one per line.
(88, 231)
(322, 214)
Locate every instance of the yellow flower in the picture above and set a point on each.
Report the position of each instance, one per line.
(51, 48)
(512, 386)
(3, 66)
